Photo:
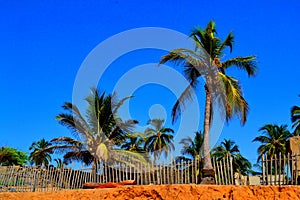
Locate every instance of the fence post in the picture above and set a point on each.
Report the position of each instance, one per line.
(220, 172)
(263, 169)
(135, 173)
(275, 170)
(296, 171)
(168, 167)
(271, 164)
(228, 169)
(153, 169)
(171, 173)
(177, 171)
(34, 181)
(188, 173)
(231, 169)
(224, 169)
(267, 170)
(215, 169)
(120, 171)
(292, 170)
(159, 174)
(280, 170)
(141, 173)
(130, 172)
(196, 171)
(286, 168)
(149, 171)
(285, 174)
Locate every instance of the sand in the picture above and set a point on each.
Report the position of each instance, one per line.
(166, 192)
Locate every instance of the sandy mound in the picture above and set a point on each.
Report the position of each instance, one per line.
(166, 192)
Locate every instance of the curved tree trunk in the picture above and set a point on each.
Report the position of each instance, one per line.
(206, 141)
(208, 172)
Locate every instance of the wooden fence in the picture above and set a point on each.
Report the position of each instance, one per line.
(281, 169)
(29, 178)
(224, 174)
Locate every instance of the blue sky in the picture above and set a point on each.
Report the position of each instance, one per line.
(43, 44)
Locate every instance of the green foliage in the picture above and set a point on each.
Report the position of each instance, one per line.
(273, 140)
(193, 147)
(41, 154)
(101, 130)
(197, 63)
(11, 156)
(74, 150)
(134, 142)
(295, 117)
(158, 140)
(207, 60)
(229, 148)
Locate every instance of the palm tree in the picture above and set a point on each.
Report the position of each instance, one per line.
(193, 147)
(295, 117)
(209, 52)
(273, 140)
(229, 148)
(158, 139)
(11, 156)
(101, 130)
(134, 142)
(41, 154)
(59, 163)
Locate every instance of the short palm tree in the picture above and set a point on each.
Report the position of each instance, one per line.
(41, 154)
(193, 147)
(273, 140)
(101, 130)
(158, 139)
(295, 117)
(134, 142)
(59, 163)
(228, 148)
(207, 56)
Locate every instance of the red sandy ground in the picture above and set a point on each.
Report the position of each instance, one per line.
(166, 192)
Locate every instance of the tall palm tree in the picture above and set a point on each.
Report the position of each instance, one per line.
(209, 52)
(158, 139)
(193, 147)
(41, 154)
(101, 130)
(295, 117)
(229, 148)
(273, 140)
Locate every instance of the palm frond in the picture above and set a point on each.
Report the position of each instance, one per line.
(116, 104)
(179, 106)
(236, 105)
(186, 57)
(82, 156)
(247, 63)
(228, 42)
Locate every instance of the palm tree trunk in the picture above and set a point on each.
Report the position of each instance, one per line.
(208, 172)
(95, 168)
(206, 141)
